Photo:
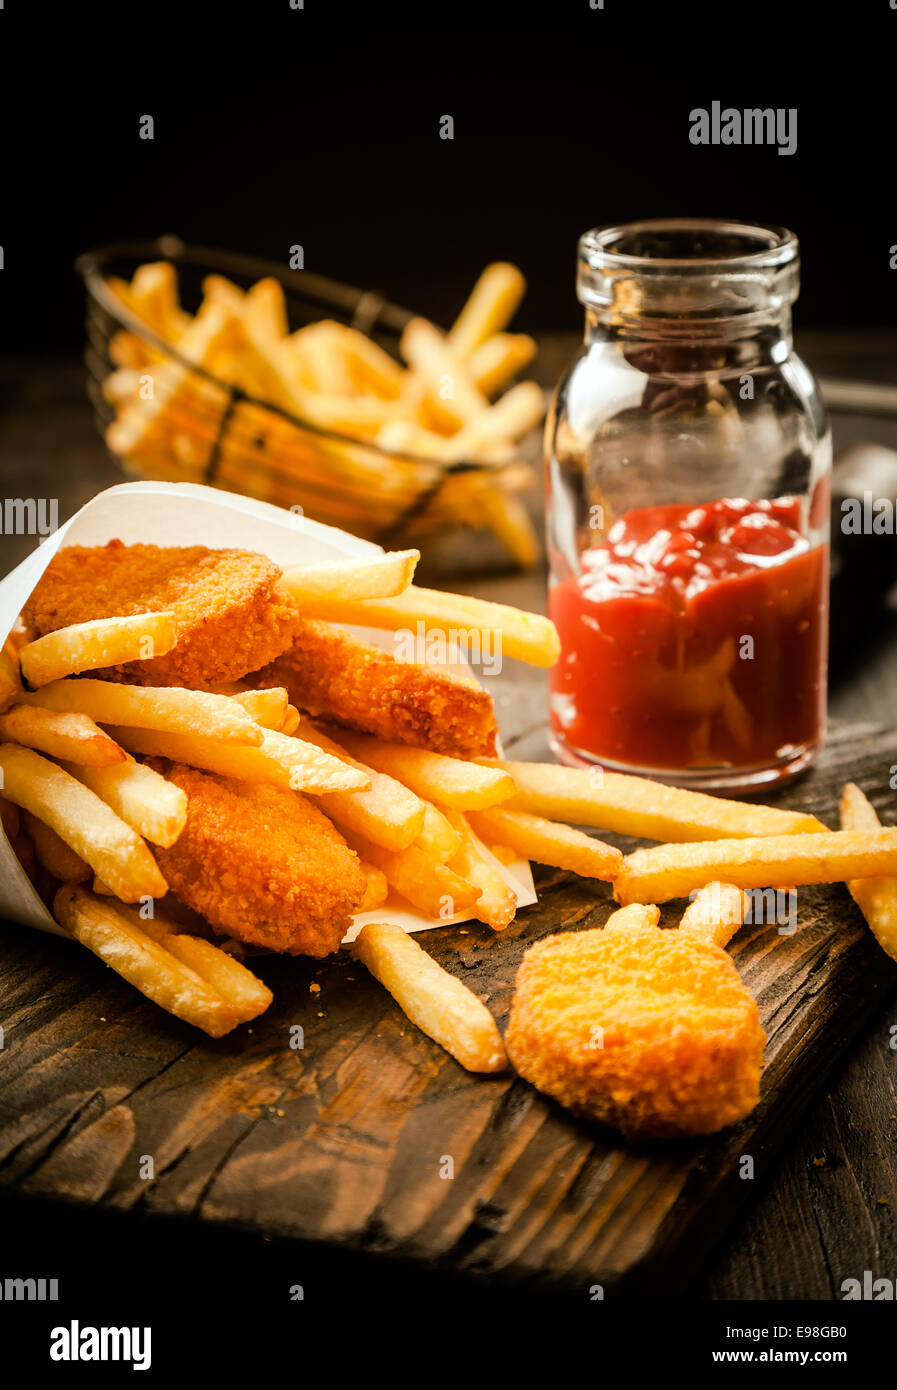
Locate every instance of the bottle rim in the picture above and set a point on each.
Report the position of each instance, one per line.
(667, 264)
(600, 244)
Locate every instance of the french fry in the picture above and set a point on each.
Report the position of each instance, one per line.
(451, 396)
(261, 370)
(10, 683)
(715, 913)
(497, 902)
(875, 897)
(673, 871)
(382, 812)
(73, 737)
(103, 642)
(408, 437)
(266, 707)
(209, 334)
(499, 358)
(383, 577)
(361, 416)
(508, 519)
(281, 761)
(385, 811)
(121, 288)
(548, 843)
(242, 990)
(224, 294)
(492, 305)
(58, 858)
(636, 915)
(484, 437)
(129, 352)
(526, 636)
(153, 296)
(438, 1003)
(371, 367)
(87, 825)
(246, 994)
(149, 804)
(438, 838)
(265, 308)
(143, 962)
(322, 349)
(433, 888)
(519, 410)
(160, 708)
(637, 806)
(856, 810)
(121, 384)
(291, 720)
(434, 776)
(376, 887)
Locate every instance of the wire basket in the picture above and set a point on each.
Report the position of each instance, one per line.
(210, 431)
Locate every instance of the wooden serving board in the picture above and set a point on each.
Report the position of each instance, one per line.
(349, 1142)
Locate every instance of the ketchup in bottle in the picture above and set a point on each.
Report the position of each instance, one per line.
(688, 465)
(694, 637)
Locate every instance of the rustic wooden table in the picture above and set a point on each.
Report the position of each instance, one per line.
(834, 1192)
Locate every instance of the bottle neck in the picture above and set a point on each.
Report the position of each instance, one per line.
(678, 343)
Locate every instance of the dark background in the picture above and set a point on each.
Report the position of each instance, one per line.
(275, 126)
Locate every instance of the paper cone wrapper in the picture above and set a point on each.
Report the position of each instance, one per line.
(187, 514)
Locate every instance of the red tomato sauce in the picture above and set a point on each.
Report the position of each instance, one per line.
(694, 637)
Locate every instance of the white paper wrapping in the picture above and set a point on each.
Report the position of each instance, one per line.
(187, 514)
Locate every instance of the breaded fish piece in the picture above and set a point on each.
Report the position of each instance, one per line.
(229, 620)
(333, 673)
(261, 864)
(648, 1030)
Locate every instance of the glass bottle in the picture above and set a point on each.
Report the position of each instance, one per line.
(689, 460)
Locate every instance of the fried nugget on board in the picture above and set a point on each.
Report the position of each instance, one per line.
(261, 864)
(648, 1030)
(332, 673)
(229, 620)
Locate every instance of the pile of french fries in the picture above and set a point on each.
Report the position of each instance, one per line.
(83, 812)
(174, 424)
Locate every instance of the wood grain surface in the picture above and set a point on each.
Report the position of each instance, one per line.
(346, 1142)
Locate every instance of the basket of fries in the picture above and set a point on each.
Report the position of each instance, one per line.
(214, 368)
